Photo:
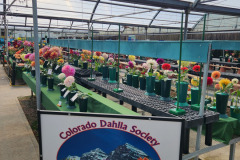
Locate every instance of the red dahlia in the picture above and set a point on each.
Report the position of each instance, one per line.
(166, 66)
(196, 68)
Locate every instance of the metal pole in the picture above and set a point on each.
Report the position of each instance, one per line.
(26, 35)
(41, 40)
(186, 24)
(146, 34)
(180, 63)
(14, 33)
(36, 48)
(91, 78)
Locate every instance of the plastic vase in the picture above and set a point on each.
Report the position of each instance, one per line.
(129, 79)
(165, 89)
(234, 114)
(226, 59)
(105, 72)
(71, 104)
(112, 75)
(183, 94)
(221, 104)
(194, 95)
(158, 87)
(85, 65)
(135, 81)
(43, 79)
(142, 83)
(33, 73)
(50, 84)
(150, 84)
(100, 69)
(83, 104)
(62, 86)
(75, 63)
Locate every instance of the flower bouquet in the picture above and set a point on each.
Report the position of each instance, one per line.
(150, 78)
(70, 84)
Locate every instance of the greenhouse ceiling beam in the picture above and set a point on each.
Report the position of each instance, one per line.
(195, 3)
(195, 25)
(83, 20)
(25, 21)
(186, 5)
(11, 4)
(154, 17)
(71, 25)
(94, 9)
(109, 27)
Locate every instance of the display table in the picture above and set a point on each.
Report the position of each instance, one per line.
(225, 129)
(96, 103)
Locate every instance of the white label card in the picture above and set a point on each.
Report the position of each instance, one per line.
(57, 67)
(66, 93)
(25, 65)
(60, 103)
(74, 97)
(63, 89)
(33, 68)
(148, 70)
(94, 76)
(49, 71)
(51, 64)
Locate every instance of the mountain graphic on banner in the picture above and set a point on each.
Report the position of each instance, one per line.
(123, 152)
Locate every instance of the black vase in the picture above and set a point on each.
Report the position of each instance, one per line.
(75, 63)
(71, 104)
(85, 65)
(83, 103)
(142, 83)
(53, 68)
(43, 79)
(59, 70)
(45, 64)
(62, 86)
(33, 73)
(50, 84)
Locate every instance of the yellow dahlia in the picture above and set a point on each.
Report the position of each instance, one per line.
(224, 82)
(131, 57)
(195, 81)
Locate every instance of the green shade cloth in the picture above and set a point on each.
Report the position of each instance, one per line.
(19, 70)
(96, 103)
(225, 129)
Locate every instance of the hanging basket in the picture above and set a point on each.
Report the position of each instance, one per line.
(150, 84)
(83, 105)
(135, 81)
(142, 81)
(221, 104)
(105, 72)
(183, 94)
(112, 75)
(129, 79)
(165, 89)
(50, 84)
(158, 87)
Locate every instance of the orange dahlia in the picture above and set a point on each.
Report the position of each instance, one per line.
(33, 63)
(216, 74)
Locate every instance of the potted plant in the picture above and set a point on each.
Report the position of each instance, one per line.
(150, 78)
(102, 60)
(142, 77)
(158, 79)
(195, 90)
(98, 66)
(59, 66)
(215, 75)
(166, 82)
(222, 96)
(112, 70)
(183, 87)
(83, 101)
(70, 84)
(61, 85)
(43, 76)
(226, 57)
(85, 56)
(75, 56)
(33, 68)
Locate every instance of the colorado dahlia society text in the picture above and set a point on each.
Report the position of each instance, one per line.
(113, 125)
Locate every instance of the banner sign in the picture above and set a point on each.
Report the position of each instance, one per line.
(85, 136)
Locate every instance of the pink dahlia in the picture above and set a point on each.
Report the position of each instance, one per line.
(68, 70)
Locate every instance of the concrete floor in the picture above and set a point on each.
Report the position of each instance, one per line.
(17, 141)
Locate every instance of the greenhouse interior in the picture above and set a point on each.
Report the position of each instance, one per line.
(120, 80)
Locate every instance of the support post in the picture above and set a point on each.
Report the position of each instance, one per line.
(232, 151)
(36, 48)
(146, 34)
(186, 24)
(91, 78)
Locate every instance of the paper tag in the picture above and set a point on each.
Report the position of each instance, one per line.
(51, 64)
(49, 71)
(63, 89)
(25, 65)
(66, 93)
(57, 67)
(33, 68)
(48, 63)
(74, 97)
(148, 70)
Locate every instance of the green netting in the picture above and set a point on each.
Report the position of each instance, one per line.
(192, 50)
